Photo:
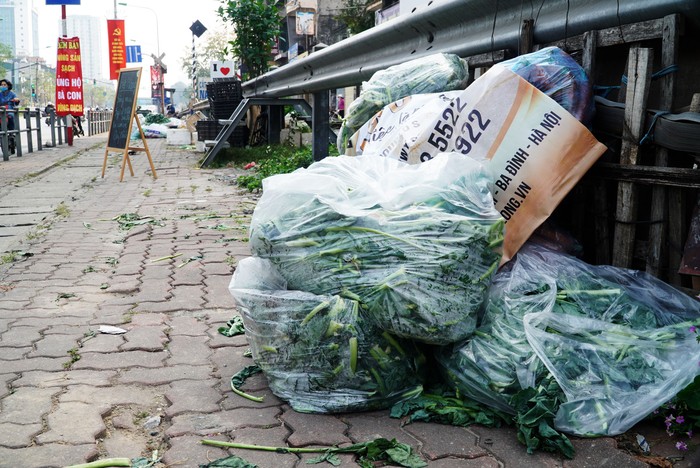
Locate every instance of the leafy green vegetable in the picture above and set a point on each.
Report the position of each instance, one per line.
(157, 118)
(420, 267)
(233, 327)
(128, 221)
(318, 352)
(232, 461)
(431, 74)
(369, 452)
(239, 379)
(584, 349)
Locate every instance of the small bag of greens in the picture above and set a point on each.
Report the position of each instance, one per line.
(431, 74)
(619, 343)
(318, 352)
(416, 245)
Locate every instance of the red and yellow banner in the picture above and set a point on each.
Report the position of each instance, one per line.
(69, 77)
(117, 47)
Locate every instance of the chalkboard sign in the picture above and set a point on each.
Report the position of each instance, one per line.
(124, 107)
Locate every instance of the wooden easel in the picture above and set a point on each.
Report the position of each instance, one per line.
(126, 160)
(122, 119)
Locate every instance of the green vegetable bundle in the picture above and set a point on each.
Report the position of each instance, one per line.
(617, 342)
(318, 352)
(416, 245)
(431, 74)
(156, 118)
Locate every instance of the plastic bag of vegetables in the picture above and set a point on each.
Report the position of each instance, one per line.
(618, 342)
(318, 352)
(416, 245)
(430, 74)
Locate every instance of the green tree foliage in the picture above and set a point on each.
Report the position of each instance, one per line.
(257, 24)
(5, 58)
(355, 16)
(213, 47)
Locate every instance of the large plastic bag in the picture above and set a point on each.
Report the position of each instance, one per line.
(417, 245)
(431, 74)
(617, 342)
(318, 352)
(556, 74)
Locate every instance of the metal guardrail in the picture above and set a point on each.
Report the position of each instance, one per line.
(98, 121)
(467, 28)
(28, 131)
(462, 27)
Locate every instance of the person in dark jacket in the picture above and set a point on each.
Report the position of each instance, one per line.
(9, 101)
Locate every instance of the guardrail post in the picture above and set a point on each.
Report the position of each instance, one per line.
(28, 123)
(320, 125)
(4, 143)
(39, 143)
(274, 124)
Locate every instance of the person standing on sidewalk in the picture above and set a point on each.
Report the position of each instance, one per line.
(8, 100)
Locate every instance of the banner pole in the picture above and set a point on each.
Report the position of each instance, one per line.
(69, 118)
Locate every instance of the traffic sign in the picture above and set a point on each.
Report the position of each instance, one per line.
(133, 54)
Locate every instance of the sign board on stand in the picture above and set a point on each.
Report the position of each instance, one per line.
(122, 118)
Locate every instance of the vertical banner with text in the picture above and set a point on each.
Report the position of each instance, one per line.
(117, 47)
(69, 78)
(156, 81)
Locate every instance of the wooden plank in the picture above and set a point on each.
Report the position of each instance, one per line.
(649, 175)
(658, 231)
(624, 34)
(600, 190)
(526, 40)
(638, 80)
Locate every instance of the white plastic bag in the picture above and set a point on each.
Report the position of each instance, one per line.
(417, 245)
(318, 352)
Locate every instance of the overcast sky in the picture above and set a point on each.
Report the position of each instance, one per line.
(174, 18)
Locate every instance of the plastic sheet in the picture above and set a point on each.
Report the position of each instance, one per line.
(556, 74)
(431, 74)
(417, 245)
(318, 352)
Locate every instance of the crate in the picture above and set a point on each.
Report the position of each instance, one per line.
(209, 130)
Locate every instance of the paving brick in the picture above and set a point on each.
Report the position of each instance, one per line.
(164, 375)
(188, 275)
(218, 268)
(188, 350)
(440, 441)
(273, 437)
(124, 286)
(217, 340)
(145, 339)
(18, 435)
(20, 336)
(148, 320)
(27, 405)
(113, 396)
(121, 360)
(369, 426)
(481, 462)
(15, 353)
(55, 345)
(5, 380)
(314, 429)
(51, 325)
(223, 421)
(156, 271)
(42, 379)
(192, 396)
(122, 444)
(217, 293)
(47, 456)
(23, 365)
(102, 343)
(503, 444)
(188, 451)
(170, 306)
(187, 326)
(63, 424)
(602, 452)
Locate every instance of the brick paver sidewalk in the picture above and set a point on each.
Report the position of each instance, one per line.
(71, 394)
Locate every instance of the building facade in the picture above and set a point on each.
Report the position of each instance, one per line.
(19, 27)
(89, 30)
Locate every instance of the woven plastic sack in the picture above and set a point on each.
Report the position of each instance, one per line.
(317, 352)
(416, 245)
(431, 74)
(618, 342)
